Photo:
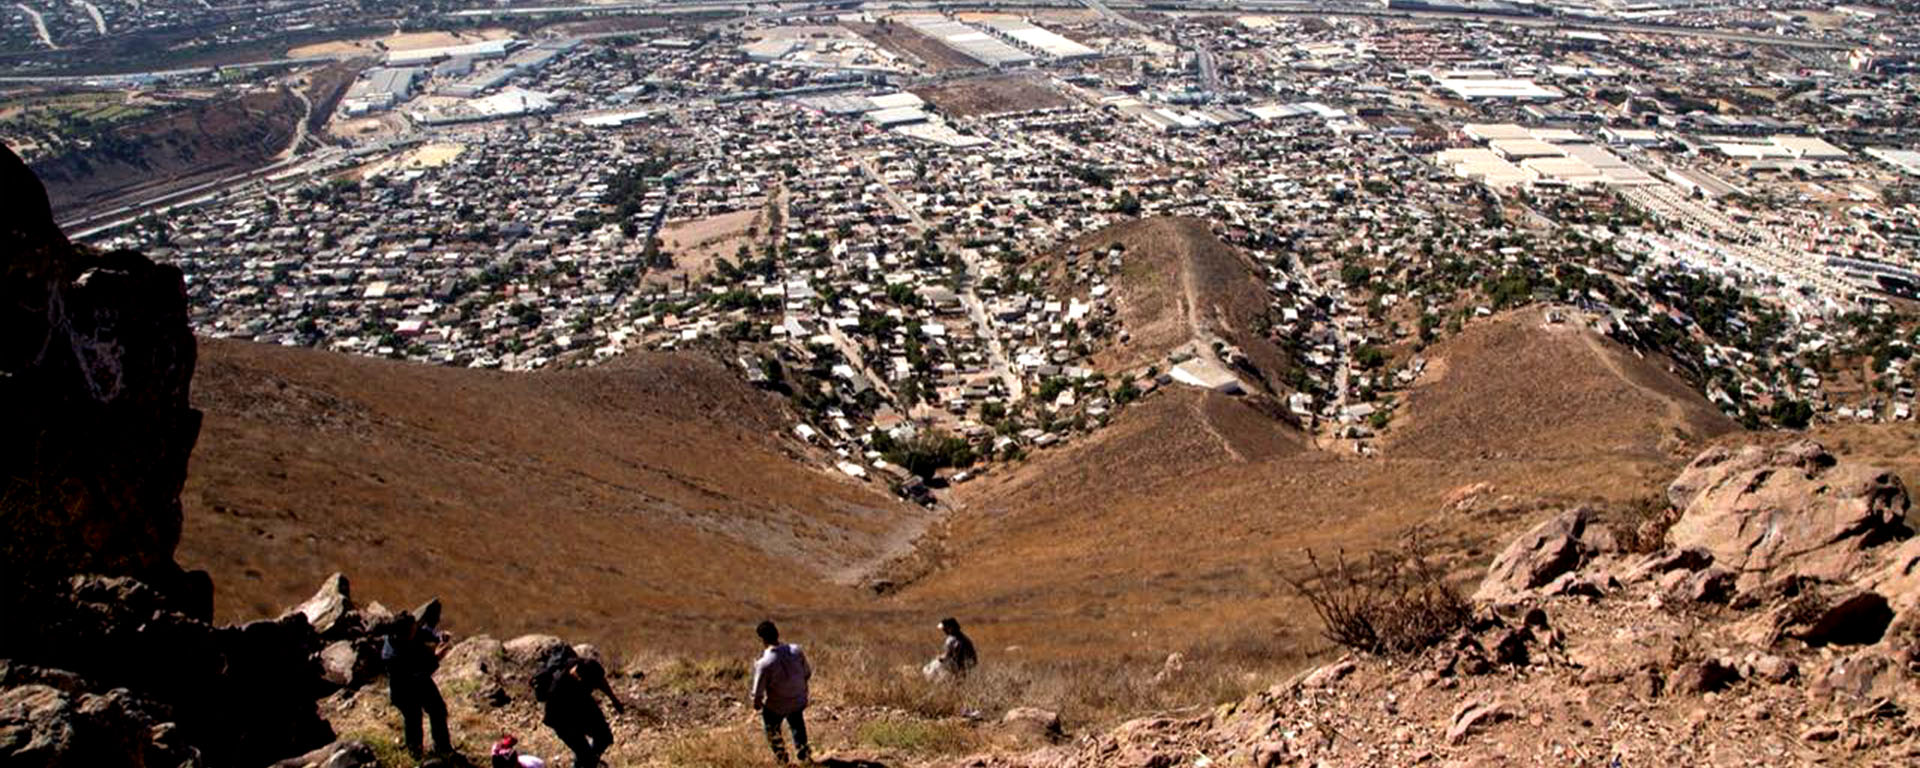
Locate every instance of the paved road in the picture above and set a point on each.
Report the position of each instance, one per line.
(1101, 7)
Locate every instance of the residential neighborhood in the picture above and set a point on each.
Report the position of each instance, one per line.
(944, 226)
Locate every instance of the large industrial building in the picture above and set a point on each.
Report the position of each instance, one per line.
(486, 49)
(1519, 156)
(380, 89)
(973, 43)
(1028, 35)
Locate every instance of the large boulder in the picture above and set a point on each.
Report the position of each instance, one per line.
(476, 667)
(1793, 510)
(1030, 727)
(1555, 547)
(1898, 582)
(330, 608)
(527, 651)
(95, 428)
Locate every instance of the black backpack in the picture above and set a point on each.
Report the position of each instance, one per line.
(552, 666)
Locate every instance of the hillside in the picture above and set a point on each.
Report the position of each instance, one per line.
(1177, 521)
(1179, 288)
(196, 144)
(1520, 387)
(654, 498)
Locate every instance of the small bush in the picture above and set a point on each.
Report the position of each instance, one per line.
(922, 737)
(683, 677)
(719, 749)
(1400, 603)
(1642, 526)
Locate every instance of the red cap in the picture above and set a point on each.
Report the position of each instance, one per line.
(508, 740)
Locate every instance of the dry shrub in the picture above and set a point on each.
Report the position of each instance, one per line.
(715, 748)
(1399, 603)
(685, 677)
(1641, 527)
(919, 737)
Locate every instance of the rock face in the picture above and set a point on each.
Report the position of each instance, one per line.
(96, 357)
(1793, 510)
(1551, 549)
(95, 361)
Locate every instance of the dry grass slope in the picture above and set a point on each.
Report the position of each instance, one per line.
(1179, 285)
(1517, 387)
(650, 500)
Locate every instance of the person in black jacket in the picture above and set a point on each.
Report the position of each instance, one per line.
(566, 683)
(412, 654)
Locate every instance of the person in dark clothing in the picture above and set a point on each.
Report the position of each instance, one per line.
(780, 678)
(957, 657)
(573, 714)
(412, 653)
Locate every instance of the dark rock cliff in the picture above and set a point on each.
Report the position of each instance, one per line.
(95, 431)
(109, 656)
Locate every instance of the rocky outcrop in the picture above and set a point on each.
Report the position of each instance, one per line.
(1808, 649)
(241, 695)
(95, 430)
(1794, 510)
(45, 725)
(1537, 558)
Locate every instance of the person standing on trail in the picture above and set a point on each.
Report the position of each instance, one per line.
(957, 657)
(780, 692)
(566, 683)
(411, 654)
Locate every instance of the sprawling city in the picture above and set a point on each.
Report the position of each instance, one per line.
(954, 239)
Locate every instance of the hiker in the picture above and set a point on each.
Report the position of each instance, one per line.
(957, 657)
(411, 654)
(566, 683)
(506, 754)
(780, 692)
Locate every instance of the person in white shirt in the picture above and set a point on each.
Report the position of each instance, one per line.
(780, 692)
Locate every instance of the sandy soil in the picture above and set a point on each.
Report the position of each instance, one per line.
(433, 155)
(697, 243)
(375, 126)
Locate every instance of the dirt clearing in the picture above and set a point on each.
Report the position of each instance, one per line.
(933, 55)
(697, 243)
(993, 95)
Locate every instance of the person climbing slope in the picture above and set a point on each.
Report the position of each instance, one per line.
(566, 683)
(780, 692)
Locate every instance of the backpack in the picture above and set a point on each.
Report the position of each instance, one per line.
(552, 666)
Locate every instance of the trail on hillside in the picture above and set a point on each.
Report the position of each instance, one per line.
(1676, 413)
(1206, 423)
